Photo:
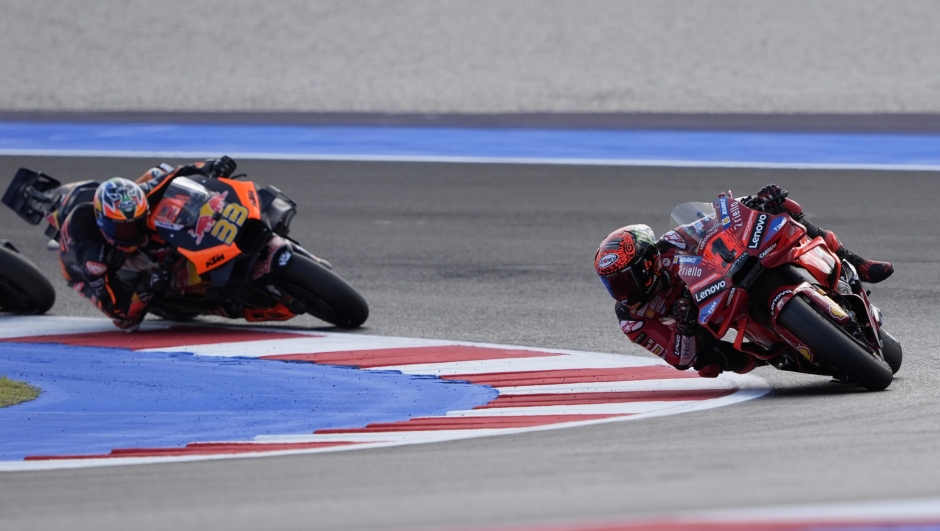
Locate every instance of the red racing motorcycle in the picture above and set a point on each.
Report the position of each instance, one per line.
(789, 300)
(225, 243)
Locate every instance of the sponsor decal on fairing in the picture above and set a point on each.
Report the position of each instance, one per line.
(768, 250)
(710, 290)
(774, 229)
(731, 295)
(738, 262)
(760, 225)
(778, 300)
(837, 312)
(725, 219)
(690, 271)
(675, 239)
(805, 352)
(707, 312)
(282, 261)
(736, 219)
(684, 259)
(168, 225)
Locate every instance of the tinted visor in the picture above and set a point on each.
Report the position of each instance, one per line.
(635, 283)
(125, 233)
(622, 286)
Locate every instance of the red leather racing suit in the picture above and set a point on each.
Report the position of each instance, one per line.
(652, 325)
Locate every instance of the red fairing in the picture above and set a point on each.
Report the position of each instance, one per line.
(792, 207)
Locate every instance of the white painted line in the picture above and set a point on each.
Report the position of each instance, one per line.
(616, 408)
(23, 326)
(477, 160)
(673, 384)
(303, 345)
(549, 363)
(910, 510)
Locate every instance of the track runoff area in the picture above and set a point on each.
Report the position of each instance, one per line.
(293, 391)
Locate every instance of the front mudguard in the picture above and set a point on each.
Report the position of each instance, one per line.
(812, 295)
(278, 255)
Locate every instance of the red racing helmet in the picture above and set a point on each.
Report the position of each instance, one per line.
(627, 262)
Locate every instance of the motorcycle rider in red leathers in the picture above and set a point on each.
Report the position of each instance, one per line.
(654, 305)
(104, 250)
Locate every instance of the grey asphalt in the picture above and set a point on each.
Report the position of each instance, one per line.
(482, 56)
(503, 253)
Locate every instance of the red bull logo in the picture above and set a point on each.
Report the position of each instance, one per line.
(215, 205)
(217, 201)
(220, 219)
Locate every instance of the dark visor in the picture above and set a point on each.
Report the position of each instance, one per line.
(621, 286)
(128, 233)
(632, 284)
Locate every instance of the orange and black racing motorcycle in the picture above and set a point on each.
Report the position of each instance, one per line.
(225, 243)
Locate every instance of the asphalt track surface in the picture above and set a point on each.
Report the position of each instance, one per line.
(503, 253)
(482, 56)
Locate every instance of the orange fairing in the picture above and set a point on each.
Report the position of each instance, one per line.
(247, 196)
(210, 258)
(277, 313)
(166, 210)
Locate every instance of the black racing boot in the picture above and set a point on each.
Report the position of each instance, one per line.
(868, 270)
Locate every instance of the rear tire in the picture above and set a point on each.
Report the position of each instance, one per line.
(327, 296)
(834, 345)
(892, 350)
(23, 289)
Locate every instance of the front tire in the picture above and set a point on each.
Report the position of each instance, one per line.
(326, 296)
(23, 289)
(892, 350)
(834, 345)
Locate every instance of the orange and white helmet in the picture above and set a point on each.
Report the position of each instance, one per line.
(121, 212)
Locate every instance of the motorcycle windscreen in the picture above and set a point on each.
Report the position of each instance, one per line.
(191, 196)
(687, 213)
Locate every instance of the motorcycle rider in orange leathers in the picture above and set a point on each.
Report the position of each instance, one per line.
(104, 250)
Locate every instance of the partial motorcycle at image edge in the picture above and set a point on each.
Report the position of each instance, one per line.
(23, 289)
(797, 305)
(229, 250)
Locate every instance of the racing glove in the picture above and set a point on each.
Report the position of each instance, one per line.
(686, 315)
(622, 309)
(769, 199)
(159, 281)
(223, 167)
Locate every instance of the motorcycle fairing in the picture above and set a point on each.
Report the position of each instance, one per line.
(735, 239)
(203, 219)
